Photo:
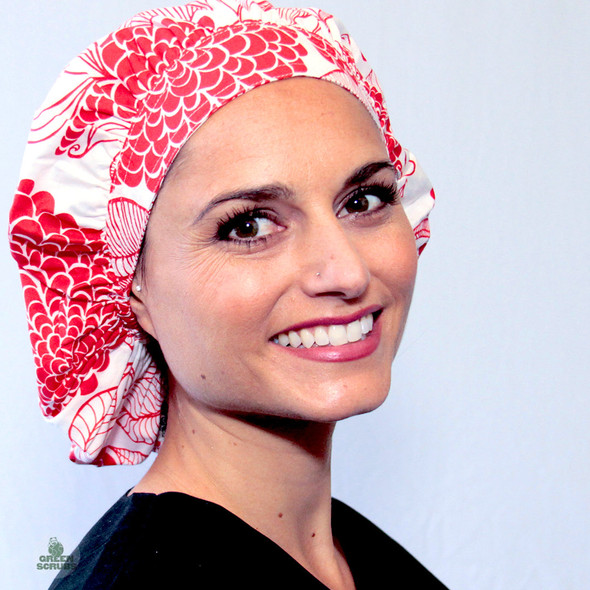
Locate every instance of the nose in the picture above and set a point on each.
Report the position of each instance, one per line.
(332, 263)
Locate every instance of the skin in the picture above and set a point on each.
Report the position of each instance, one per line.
(250, 423)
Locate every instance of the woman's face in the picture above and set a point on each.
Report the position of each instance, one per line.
(279, 224)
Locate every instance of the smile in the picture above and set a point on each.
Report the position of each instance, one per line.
(327, 335)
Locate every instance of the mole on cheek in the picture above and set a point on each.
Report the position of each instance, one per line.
(203, 377)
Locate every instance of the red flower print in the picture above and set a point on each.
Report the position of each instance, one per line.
(64, 275)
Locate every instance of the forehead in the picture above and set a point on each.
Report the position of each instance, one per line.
(282, 119)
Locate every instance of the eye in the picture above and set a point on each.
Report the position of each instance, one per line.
(362, 203)
(247, 226)
(250, 227)
(367, 200)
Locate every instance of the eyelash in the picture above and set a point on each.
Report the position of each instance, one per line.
(232, 220)
(387, 192)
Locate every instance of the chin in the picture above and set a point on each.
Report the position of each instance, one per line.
(342, 402)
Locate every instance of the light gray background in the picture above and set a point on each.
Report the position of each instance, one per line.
(479, 462)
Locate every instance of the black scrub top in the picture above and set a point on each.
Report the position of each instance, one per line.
(173, 540)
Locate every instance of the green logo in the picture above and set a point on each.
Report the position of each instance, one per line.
(55, 558)
(55, 548)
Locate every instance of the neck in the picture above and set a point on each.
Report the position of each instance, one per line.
(247, 464)
(273, 473)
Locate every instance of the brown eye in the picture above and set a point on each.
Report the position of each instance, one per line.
(246, 228)
(361, 203)
(357, 204)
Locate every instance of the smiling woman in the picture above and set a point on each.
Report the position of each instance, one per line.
(294, 245)
(261, 297)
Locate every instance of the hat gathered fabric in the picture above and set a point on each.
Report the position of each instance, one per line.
(97, 154)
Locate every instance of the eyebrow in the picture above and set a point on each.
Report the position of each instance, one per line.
(367, 171)
(273, 192)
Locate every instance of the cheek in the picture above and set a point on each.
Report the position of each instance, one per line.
(230, 301)
(395, 261)
(215, 328)
(245, 290)
(405, 264)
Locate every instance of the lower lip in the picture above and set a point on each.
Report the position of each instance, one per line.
(352, 351)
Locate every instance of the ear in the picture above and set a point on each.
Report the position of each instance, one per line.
(140, 309)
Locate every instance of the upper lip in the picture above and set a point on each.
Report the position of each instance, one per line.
(328, 321)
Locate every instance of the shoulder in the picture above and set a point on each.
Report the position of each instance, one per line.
(118, 548)
(151, 541)
(373, 556)
(147, 539)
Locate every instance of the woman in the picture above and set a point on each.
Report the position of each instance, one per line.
(264, 302)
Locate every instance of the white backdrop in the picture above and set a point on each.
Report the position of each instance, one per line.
(479, 462)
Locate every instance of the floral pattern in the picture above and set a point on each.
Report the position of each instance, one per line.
(66, 296)
(98, 151)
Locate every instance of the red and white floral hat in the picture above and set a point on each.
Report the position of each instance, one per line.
(98, 151)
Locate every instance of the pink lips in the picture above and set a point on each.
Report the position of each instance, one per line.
(344, 353)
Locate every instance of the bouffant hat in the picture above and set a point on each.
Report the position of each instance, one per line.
(98, 151)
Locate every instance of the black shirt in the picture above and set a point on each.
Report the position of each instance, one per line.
(173, 540)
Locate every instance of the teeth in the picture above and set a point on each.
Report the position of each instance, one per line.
(321, 336)
(294, 339)
(354, 332)
(337, 335)
(307, 338)
(333, 335)
(366, 324)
